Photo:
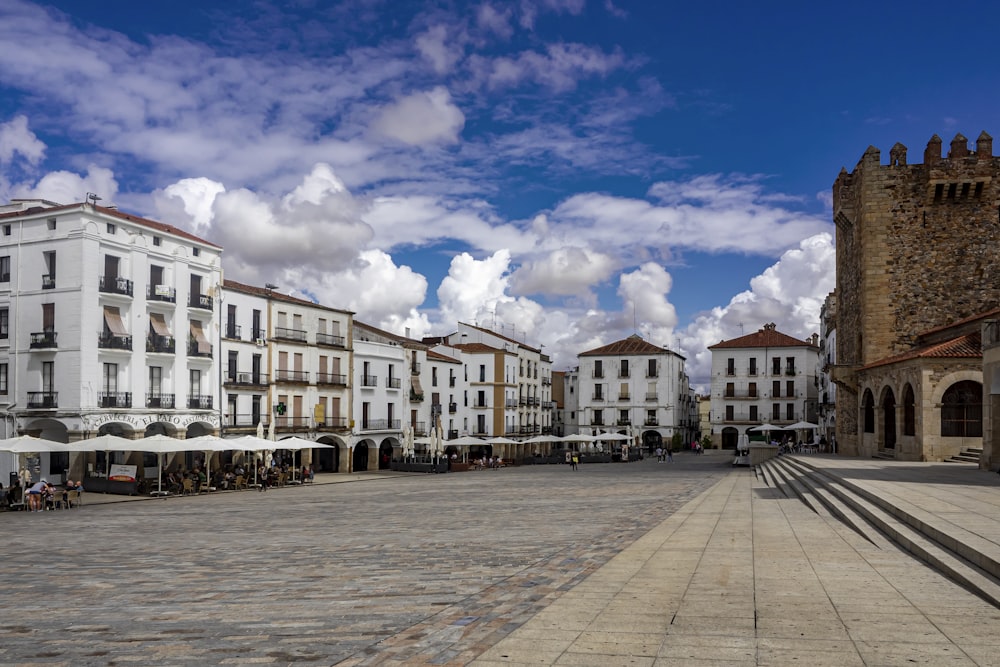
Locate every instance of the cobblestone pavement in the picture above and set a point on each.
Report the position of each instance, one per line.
(389, 569)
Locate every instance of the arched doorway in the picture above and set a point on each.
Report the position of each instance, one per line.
(359, 461)
(327, 459)
(962, 410)
(888, 419)
(730, 437)
(651, 440)
(384, 455)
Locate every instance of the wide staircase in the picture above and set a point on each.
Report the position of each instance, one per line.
(960, 554)
(967, 455)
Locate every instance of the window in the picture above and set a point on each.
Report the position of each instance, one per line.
(482, 372)
(434, 377)
(776, 366)
(776, 389)
(790, 366)
(752, 391)
(49, 279)
(3, 379)
(110, 378)
(48, 376)
(155, 380)
(6, 230)
(233, 363)
(4, 322)
(730, 366)
(651, 368)
(111, 229)
(48, 317)
(598, 417)
(730, 390)
(623, 371)
(5, 269)
(155, 275)
(255, 409)
(962, 410)
(156, 240)
(195, 252)
(194, 382)
(598, 368)
(753, 413)
(775, 411)
(790, 411)
(730, 413)
(51, 223)
(753, 366)
(598, 392)
(790, 389)
(480, 399)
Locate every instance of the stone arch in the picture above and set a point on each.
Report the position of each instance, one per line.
(385, 455)
(867, 412)
(961, 412)
(887, 413)
(359, 456)
(909, 410)
(327, 459)
(50, 466)
(730, 437)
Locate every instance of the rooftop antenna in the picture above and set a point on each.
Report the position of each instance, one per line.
(741, 328)
(270, 286)
(93, 198)
(635, 326)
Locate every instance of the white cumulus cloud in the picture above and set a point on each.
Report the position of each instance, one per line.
(426, 117)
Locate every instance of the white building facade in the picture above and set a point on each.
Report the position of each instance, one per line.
(766, 377)
(634, 387)
(109, 324)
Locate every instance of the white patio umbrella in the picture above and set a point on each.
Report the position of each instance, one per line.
(765, 427)
(802, 425)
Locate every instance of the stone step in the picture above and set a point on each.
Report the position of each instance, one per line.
(960, 555)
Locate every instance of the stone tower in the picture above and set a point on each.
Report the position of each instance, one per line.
(917, 248)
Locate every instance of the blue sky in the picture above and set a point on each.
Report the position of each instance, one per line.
(574, 169)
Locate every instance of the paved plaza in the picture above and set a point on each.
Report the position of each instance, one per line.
(690, 563)
(384, 567)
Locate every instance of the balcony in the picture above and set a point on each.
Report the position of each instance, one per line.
(624, 397)
(546, 381)
(285, 375)
(598, 374)
(451, 382)
(744, 394)
(651, 421)
(414, 368)
(625, 422)
(48, 281)
(245, 420)
(522, 400)
(730, 372)
(534, 401)
(452, 433)
(249, 379)
(790, 371)
(393, 383)
(162, 401)
(597, 397)
(113, 341)
(233, 331)
(414, 396)
(548, 405)
(329, 340)
(480, 404)
(202, 301)
(160, 344)
(452, 408)
(196, 349)
(258, 334)
(597, 421)
(651, 396)
(43, 400)
(114, 285)
(332, 423)
(510, 403)
(289, 423)
(199, 402)
(43, 340)
(338, 379)
(295, 335)
(114, 399)
(380, 425)
(163, 293)
(369, 381)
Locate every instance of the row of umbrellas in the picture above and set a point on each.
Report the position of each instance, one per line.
(436, 444)
(791, 427)
(160, 444)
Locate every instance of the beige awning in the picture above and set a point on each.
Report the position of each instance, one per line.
(204, 347)
(415, 385)
(113, 318)
(159, 324)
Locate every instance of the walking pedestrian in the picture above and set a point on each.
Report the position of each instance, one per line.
(576, 461)
(670, 455)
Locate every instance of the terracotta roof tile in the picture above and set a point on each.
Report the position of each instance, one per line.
(437, 356)
(634, 344)
(968, 346)
(477, 347)
(506, 338)
(766, 337)
(277, 296)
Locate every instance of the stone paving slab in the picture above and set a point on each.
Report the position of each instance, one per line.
(386, 569)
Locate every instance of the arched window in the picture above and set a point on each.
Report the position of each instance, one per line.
(962, 410)
(868, 406)
(909, 412)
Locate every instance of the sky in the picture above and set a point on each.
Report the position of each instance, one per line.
(567, 172)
